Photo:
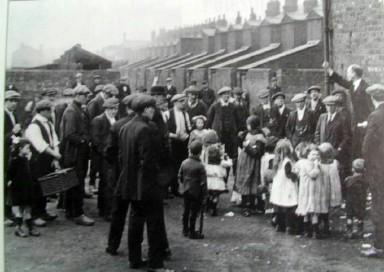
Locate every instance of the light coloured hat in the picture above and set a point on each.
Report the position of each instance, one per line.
(178, 97)
(314, 87)
(299, 97)
(11, 95)
(224, 89)
(376, 91)
(43, 105)
(331, 100)
(81, 89)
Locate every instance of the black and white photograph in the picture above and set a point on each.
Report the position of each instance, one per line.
(192, 135)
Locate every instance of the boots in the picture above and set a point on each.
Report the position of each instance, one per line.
(31, 230)
(19, 229)
(359, 231)
(326, 229)
(349, 231)
(308, 230)
(316, 231)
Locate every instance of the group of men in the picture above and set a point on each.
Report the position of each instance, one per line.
(136, 143)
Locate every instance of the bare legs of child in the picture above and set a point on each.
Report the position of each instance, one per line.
(20, 214)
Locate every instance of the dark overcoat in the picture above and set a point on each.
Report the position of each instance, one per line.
(263, 114)
(319, 110)
(95, 107)
(100, 128)
(306, 132)
(278, 122)
(199, 109)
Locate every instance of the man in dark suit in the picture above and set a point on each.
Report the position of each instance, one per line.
(331, 128)
(314, 102)
(241, 107)
(300, 125)
(361, 103)
(273, 87)
(373, 153)
(170, 91)
(179, 127)
(207, 95)
(95, 108)
(263, 110)
(279, 116)
(60, 108)
(100, 129)
(75, 141)
(137, 183)
(194, 105)
(12, 129)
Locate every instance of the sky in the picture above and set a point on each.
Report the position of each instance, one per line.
(57, 25)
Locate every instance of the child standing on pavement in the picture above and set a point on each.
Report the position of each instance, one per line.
(199, 129)
(21, 184)
(356, 195)
(193, 184)
(284, 187)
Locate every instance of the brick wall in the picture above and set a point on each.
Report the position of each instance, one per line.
(222, 77)
(358, 36)
(254, 81)
(190, 45)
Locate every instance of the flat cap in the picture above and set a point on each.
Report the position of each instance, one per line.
(81, 89)
(111, 103)
(192, 89)
(224, 89)
(195, 147)
(376, 91)
(49, 92)
(338, 91)
(110, 89)
(96, 76)
(169, 79)
(277, 95)
(237, 90)
(178, 97)
(78, 75)
(157, 90)
(43, 105)
(331, 100)
(264, 94)
(358, 164)
(98, 88)
(68, 92)
(127, 101)
(314, 87)
(11, 95)
(142, 101)
(299, 97)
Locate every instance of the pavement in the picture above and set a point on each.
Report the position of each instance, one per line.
(231, 244)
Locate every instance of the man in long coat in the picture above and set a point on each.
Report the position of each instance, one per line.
(207, 95)
(361, 103)
(76, 138)
(300, 125)
(138, 184)
(373, 153)
(263, 110)
(194, 105)
(279, 116)
(332, 128)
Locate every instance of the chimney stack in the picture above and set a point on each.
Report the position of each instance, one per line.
(252, 16)
(273, 8)
(309, 5)
(290, 6)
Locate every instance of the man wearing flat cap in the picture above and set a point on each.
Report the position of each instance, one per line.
(64, 101)
(78, 80)
(95, 108)
(97, 80)
(223, 118)
(194, 105)
(361, 103)
(263, 109)
(179, 127)
(332, 128)
(12, 129)
(45, 156)
(373, 153)
(279, 115)
(100, 128)
(314, 102)
(170, 91)
(75, 144)
(119, 206)
(301, 123)
(207, 95)
(137, 184)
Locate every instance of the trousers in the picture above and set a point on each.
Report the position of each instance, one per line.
(119, 214)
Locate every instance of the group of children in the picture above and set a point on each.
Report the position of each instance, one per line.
(298, 186)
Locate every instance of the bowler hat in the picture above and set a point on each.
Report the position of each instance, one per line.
(177, 97)
(81, 89)
(299, 97)
(157, 90)
(376, 91)
(43, 105)
(11, 95)
(111, 103)
(224, 89)
(142, 101)
(277, 95)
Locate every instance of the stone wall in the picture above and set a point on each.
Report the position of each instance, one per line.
(358, 28)
(222, 77)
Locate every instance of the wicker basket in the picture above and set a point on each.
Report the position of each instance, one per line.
(58, 181)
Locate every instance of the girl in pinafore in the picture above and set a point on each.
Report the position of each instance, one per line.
(199, 129)
(284, 187)
(248, 166)
(310, 190)
(216, 169)
(331, 182)
(21, 184)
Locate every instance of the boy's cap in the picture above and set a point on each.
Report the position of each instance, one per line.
(358, 164)
(195, 147)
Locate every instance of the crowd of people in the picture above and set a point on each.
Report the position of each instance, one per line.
(142, 147)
